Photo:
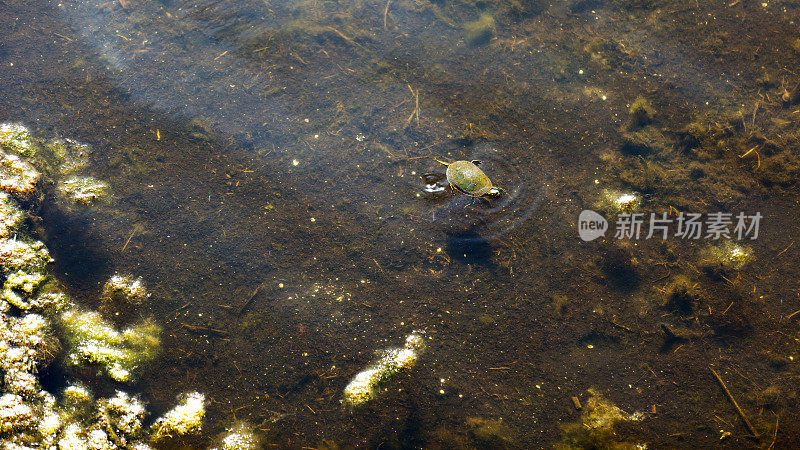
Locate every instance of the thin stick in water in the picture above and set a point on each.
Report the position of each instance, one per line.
(730, 396)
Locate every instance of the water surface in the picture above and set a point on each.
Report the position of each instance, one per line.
(252, 145)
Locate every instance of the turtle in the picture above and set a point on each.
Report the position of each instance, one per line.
(469, 179)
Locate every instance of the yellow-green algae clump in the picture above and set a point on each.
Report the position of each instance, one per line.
(368, 383)
(641, 112)
(69, 160)
(616, 202)
(239, 436)
(479, 32)
(82, 189)
(17, 138)
(595, 428)
(17, 176)
(186, 417)
(727, 255)
(94, 341)
(31, 303)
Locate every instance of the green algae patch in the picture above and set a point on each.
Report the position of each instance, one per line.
(17, 138)
(489, 433)
(94, 341)
(682, 295)
(186, 417)
(595, 428)
(11, 216)
(725, 256)
(239, 436)
(479, 32)
(641, 112)
(82, 189)
(369, 383)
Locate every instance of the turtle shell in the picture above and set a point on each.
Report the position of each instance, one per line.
(468, 178)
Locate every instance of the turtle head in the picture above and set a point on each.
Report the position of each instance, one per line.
(495, 192)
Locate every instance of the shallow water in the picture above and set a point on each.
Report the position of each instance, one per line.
(268, 164)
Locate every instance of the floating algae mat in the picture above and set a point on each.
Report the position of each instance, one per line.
(224, 224)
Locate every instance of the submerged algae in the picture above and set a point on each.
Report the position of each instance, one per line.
(19, 287)
(479, 32)
(595, 428)
(122, 298)
(95, 341)
(186, 417)
(17, 176)
(367, 384)
(67, 155)
(615, 201)
(640, 113)
(11, 215)
(82, 189)
(239, 436)
(124, 288)
(29, 415)
(490, 433)
(16, 137)
(727, 255)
